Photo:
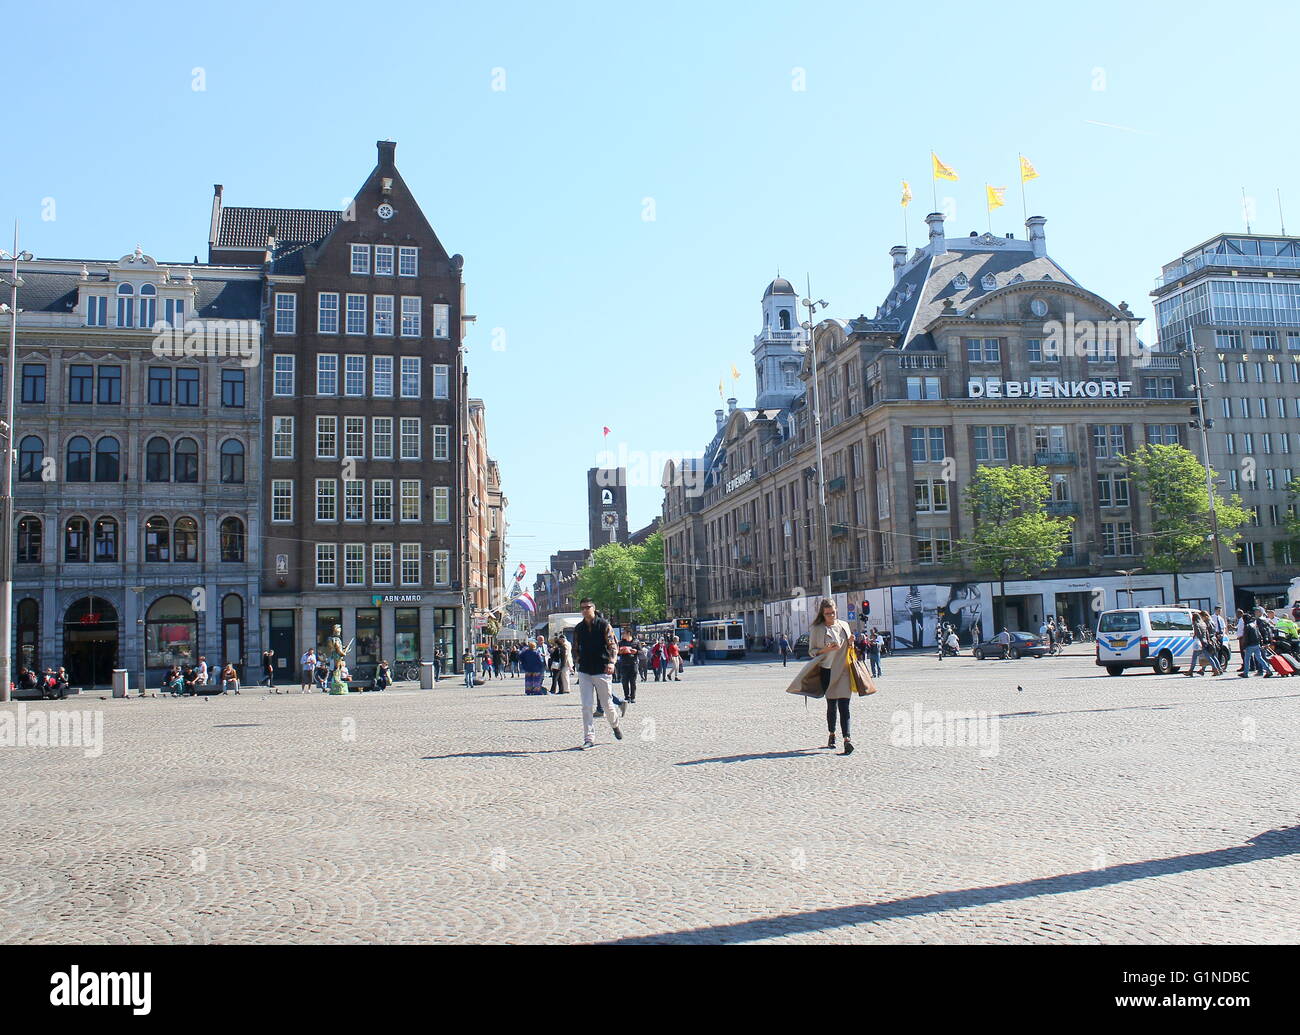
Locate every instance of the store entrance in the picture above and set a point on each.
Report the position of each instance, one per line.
(90, 642)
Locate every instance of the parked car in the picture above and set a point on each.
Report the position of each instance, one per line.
(1022, 645)
(801, 648)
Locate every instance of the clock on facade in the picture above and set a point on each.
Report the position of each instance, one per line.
(609, 520)
(1038, 307)
(386, 211)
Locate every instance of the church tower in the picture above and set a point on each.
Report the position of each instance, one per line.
(776, 363)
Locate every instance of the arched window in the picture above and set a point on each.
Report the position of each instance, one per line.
(157, 460)
(171, 633)
(232, 540)
(29, 541)
(784, 318)
(187, 460)
(76, 541)
(105, 541)
(232, 630)
(232, 462)
(148, 305)
(125, 305)
(29, 634)
(186, 535)
(108, 466)
(78, 465)
(157, 540)
(31, 454)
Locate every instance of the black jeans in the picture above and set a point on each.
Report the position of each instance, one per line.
(841, 705)
(628, 679)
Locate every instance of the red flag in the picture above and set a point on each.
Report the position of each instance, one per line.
(607, 432)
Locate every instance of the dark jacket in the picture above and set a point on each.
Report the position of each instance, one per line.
(593, 646)
(531, 661)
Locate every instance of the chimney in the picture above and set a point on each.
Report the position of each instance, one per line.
(1037, 236)
(720, 418)
(387, 148)
(938, 245)
(899, 254)
(214, 226)
(731, 405)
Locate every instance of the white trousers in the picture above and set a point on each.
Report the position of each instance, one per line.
(595, 687)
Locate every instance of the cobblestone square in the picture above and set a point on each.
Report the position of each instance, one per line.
(1141, 809)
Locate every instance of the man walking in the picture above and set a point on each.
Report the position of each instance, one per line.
(1252, 654)
(268, 668)
(785, 651)
(595, 650)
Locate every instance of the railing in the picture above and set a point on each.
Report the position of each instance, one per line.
(922, 362)
(840, 575)
(1225, 260)
(744, 527)
(1050, 459)
(1059, 507)
(839, 531)
(1160, 362)
(1073, 559)
(836, 484)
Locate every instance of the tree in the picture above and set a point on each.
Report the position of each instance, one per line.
(1011, 532)
(626, 580)
(1291, 524)
(1173, 481)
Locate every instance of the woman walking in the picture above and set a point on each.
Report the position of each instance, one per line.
(562, 653)
(533, 668)
(627, 660)
(828, 672)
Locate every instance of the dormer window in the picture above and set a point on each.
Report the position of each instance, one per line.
(125, 305)
(960, 282)
(1019, 278)
(96, 310)
(148, 305)
(989, 282)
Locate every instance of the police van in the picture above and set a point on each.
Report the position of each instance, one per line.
(1159, 638)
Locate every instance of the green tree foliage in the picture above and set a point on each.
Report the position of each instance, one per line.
(619, 578)
(1012, 534)
(1173, 481)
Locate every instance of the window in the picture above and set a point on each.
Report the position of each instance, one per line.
(928, 445)
(281, 500)
(232, 541)
(383, 377)
(33, 382)
(441, 320)
(384, 260)
(1158, 387)
(327, 554)
(1117, 538)
(1227, 341)
(326, 499)
(327, 312)
(31, 458)
(440, 381)
(1108, 441)
(1112, 490)
(356, 314)
(1259, 373)
(410, 317)
(1247, 553)
(381, 564)
(410, 564)
(441, 567)
(106, 541)
(1270, 480)
(29, 541)
(281, 438)
(77, 468)
(361, 258)
(97, 311)
(354, 437)
(441, 504)
(410, 499)
(327, 374)
(1230, 444)
(984, 350)
(76, 541)
(186, 466)
(923, 388)
(381, 499)
(1284, 440)
(381, 434)
(930, 495)
(157, 460)
(148, 305)
(1232, 479)
(1266, 340)
(991, 442)
(408, 261)
(1162, 434)
(283, 376)
(232, 462)
(410, 438)
(81, 383)
(108, 466)
(384, 315)
(932, 548)
(174, 312)
(1241, 372)
(232, 388)
(354, 499)
(1248, 440)
(441, 442)
(1266, 440)
(187, 387)
(1223, 372)
(410, 377)
(286, 313)
(125, 305)
(354, 564)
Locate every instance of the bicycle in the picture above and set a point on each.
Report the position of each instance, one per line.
(407, 670)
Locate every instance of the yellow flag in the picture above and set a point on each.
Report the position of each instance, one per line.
(734, 372)
(941, 171)
(995, 196)
(1027, 171)
(907, 194)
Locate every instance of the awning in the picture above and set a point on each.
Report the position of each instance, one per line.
(1265, 589)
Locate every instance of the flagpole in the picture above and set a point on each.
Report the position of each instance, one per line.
(1024, 205)
(988, 207)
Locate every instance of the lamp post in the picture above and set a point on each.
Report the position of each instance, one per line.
(7, 500)
(823, 528)
(1204, 422)
(1128, 574)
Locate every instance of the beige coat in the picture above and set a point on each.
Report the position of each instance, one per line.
(808, 681)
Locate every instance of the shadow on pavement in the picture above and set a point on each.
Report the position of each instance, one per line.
(1271, 844)
(495, 754)
(803, 753)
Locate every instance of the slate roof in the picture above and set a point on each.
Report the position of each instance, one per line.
(218, 298)
(244, 227)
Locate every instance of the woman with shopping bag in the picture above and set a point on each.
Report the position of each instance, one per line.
(834, 671)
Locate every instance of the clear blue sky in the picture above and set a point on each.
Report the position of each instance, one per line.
(1143, 123)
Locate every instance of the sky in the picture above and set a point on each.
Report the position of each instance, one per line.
(624, 182)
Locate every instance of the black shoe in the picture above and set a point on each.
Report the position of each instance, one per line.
(597, 714)
(848, 747)
(618, 733)
(831, 742)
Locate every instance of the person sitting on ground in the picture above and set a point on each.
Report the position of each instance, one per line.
(383, 677)
(229, 679)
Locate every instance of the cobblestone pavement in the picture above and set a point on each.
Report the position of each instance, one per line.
(1136, 809)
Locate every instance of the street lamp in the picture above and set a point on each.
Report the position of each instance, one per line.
(823, 530)
(7, 499)
(1204, 422)
(1128, 574)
